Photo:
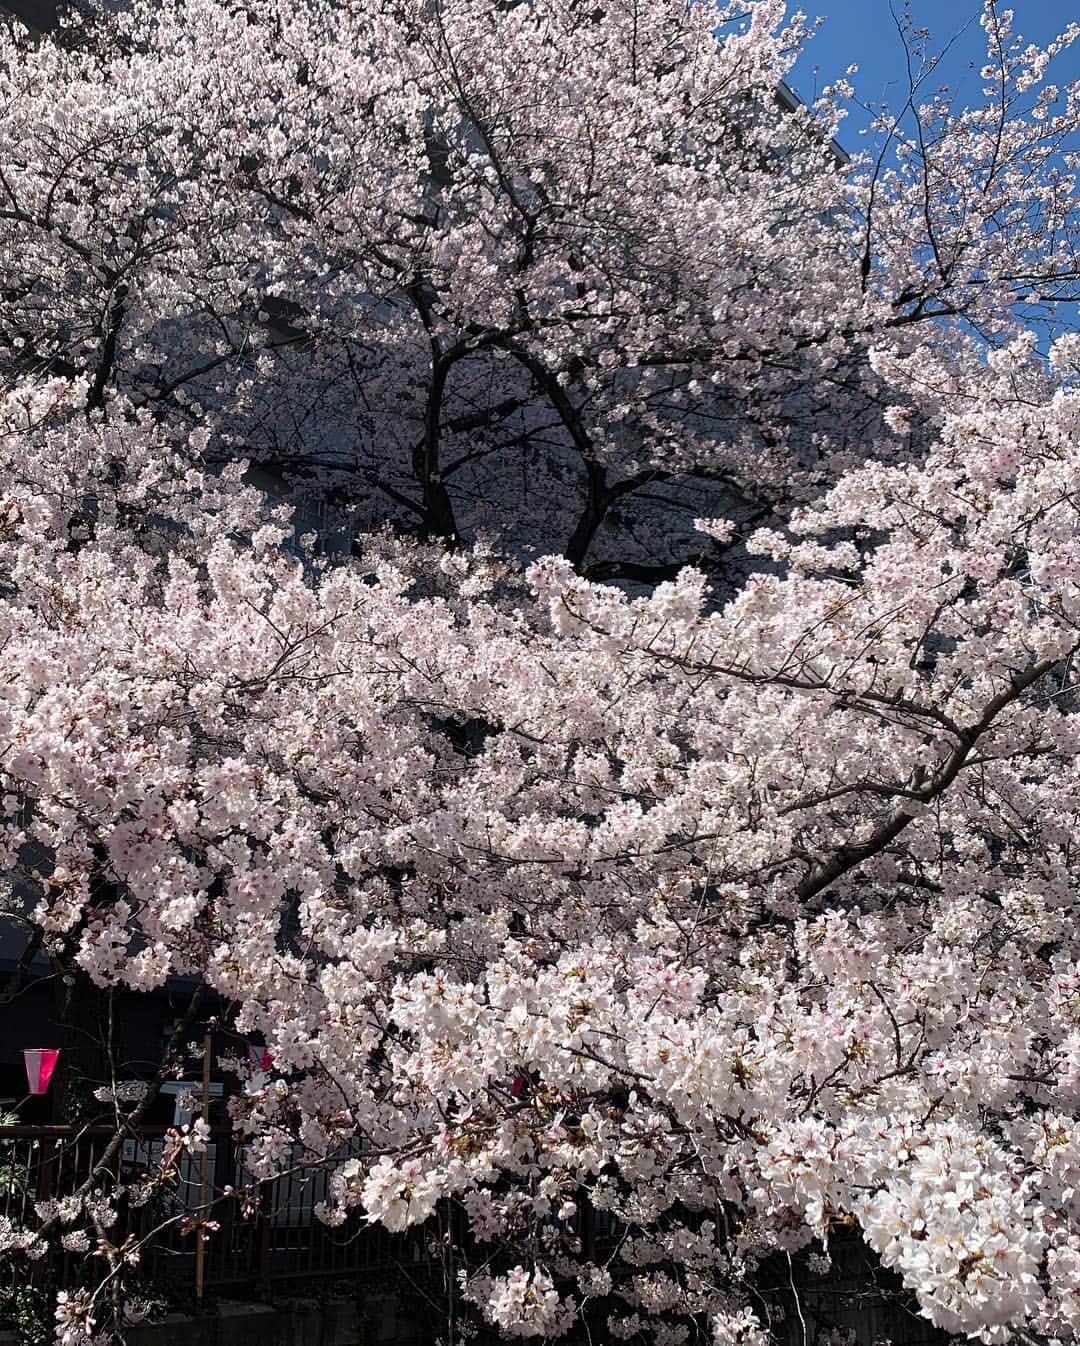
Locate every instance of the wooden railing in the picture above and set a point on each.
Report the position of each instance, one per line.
(265, 1230)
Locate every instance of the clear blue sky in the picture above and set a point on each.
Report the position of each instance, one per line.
(863, 32)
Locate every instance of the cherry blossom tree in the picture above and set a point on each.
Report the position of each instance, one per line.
(433, 266)
(746, 923)
(742, 913)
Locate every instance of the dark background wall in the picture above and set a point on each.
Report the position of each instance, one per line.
(35, 13)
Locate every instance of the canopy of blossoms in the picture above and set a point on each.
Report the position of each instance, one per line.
(745, 911)
(568, 275)
(747, 922)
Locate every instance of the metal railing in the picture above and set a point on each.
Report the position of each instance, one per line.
(265, 1230)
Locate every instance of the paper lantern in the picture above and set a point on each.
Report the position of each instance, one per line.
(259, 1058)
(40, 1063)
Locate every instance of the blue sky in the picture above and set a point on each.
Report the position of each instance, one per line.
(863, 32)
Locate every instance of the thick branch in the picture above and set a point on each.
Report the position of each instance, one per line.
(849, 857)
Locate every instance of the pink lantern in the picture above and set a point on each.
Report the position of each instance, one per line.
(40, 1063)
(259, 1058)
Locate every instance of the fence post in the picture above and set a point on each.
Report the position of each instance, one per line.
(200, 1230)
(228, 1180)
(266, 1213)
(45, 1174)
(44, 1180)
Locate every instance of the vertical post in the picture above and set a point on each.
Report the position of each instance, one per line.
(46, 1166)
(40, 1186)
(227, 1171)
(450, 1275)
(267, 1190)
(204, 1158)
